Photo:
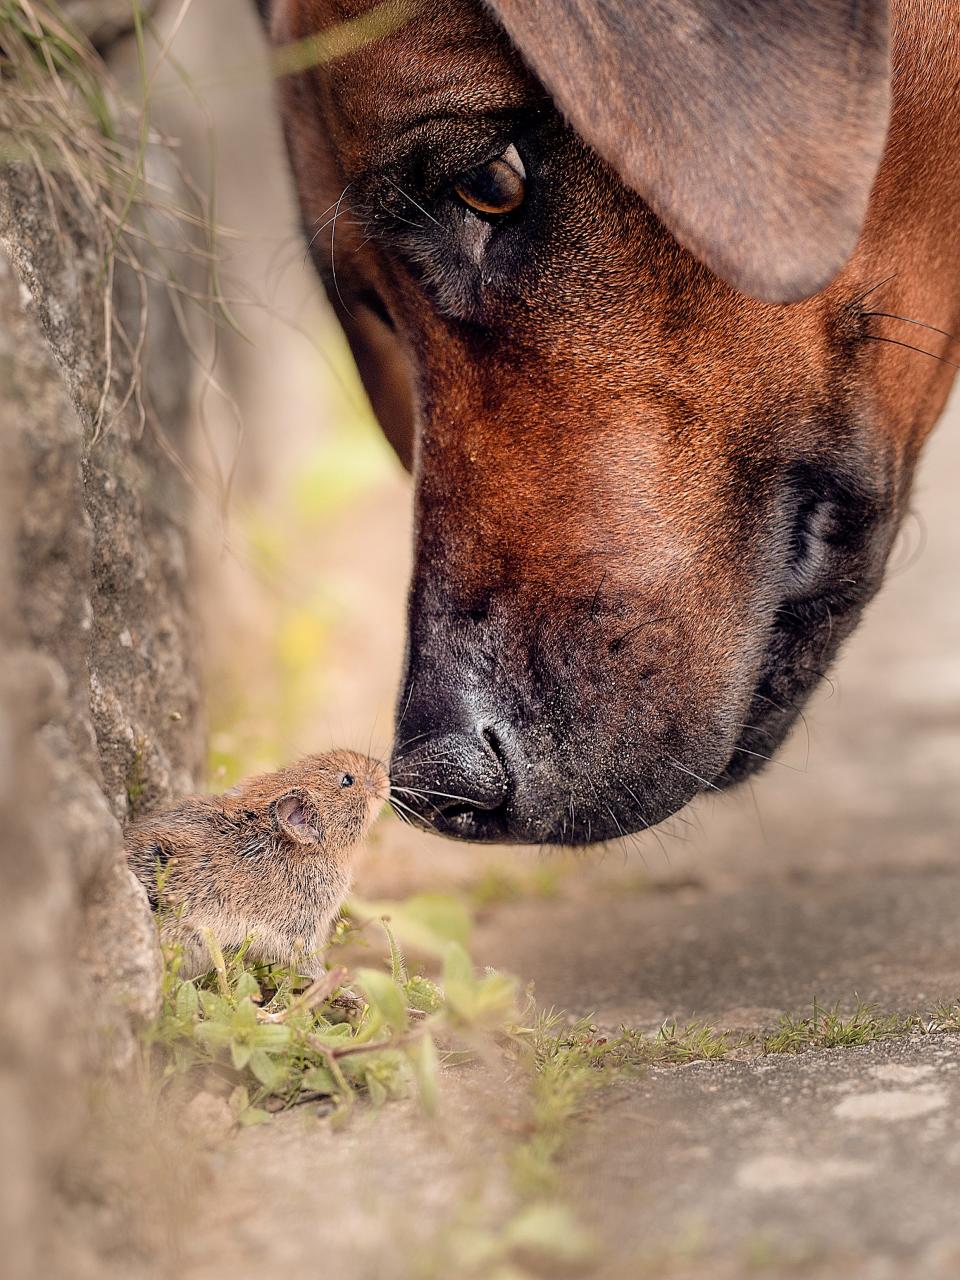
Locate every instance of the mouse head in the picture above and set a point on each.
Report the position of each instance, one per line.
(323, 803)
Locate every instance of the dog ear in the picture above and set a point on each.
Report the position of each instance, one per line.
(752, 128)
(263, 10)
(297, 818)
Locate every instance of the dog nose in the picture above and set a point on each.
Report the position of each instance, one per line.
(450, 779)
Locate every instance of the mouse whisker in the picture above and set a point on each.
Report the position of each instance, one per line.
(413, 819)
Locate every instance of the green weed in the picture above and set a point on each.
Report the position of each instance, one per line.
(136, 779)
(271, 1040)
(828, 1028)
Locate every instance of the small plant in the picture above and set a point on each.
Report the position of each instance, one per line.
(271, 1039)
(136, 780)
(827, 1028)
(944, 1016)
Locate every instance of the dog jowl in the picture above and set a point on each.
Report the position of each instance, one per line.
(635, 292)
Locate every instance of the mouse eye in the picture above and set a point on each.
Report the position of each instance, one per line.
(347, 779)
(497, 187)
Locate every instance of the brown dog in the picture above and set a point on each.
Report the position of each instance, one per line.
(652, 498)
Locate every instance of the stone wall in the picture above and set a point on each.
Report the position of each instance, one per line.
(100, 712)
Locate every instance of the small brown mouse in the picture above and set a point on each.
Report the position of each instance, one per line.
(270, 858)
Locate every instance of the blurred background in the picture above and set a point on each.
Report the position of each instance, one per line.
(304, 524)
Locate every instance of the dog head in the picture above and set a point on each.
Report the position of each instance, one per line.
(652, 498)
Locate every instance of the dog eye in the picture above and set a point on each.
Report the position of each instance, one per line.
(497, 187)
(346, 779)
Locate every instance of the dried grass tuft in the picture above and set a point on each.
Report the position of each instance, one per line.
(103, 167)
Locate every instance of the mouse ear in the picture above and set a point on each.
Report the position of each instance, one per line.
(297, 818)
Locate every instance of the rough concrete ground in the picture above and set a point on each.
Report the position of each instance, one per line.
(838, 877)
(845, 1162)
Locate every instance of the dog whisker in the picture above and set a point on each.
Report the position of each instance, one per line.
(596, 594)
(895, 342)
(616, 645)
(921, 324)
(690, 773)
(782, 764)
(873, 288)
(407, 196)
(647, 824)
(412, 818)
(449, 795)
(797, 711)
(333, 255)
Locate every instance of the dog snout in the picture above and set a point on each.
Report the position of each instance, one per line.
(451, 779)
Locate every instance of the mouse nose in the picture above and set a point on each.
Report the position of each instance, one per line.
(377, 782)
(454, 781)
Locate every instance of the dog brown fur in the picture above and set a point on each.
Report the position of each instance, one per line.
(649, 506)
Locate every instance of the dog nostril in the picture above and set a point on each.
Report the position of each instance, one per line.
(451, 774)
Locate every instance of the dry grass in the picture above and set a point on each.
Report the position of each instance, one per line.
(107, 175)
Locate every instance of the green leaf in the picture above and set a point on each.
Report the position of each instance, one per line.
(239, 1099)
(378, 1094)
(426, 1072)
(386, 996)
(319, 1080)
(459, 984)
(496, 1000)
(273, 1038)
(252, 1116)
(489, 1001)
(247, 986)
(214, 1006)
(397, 971)
(215, 951)
(187, 1004)
(270, 1073)
(245, 1016)
(457, 967)
(240, 1053)
(212, 1035)
(423, 994)
(334, 1032)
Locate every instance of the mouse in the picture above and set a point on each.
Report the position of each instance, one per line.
(269, 859)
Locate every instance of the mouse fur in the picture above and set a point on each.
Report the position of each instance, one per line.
(269, 859)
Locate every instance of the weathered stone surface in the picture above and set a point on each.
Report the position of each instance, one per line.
(99, 590)
(845, 1160)
(99, 692)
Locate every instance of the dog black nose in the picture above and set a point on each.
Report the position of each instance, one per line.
(454, 781)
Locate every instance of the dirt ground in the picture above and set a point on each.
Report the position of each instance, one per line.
(834, 877)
